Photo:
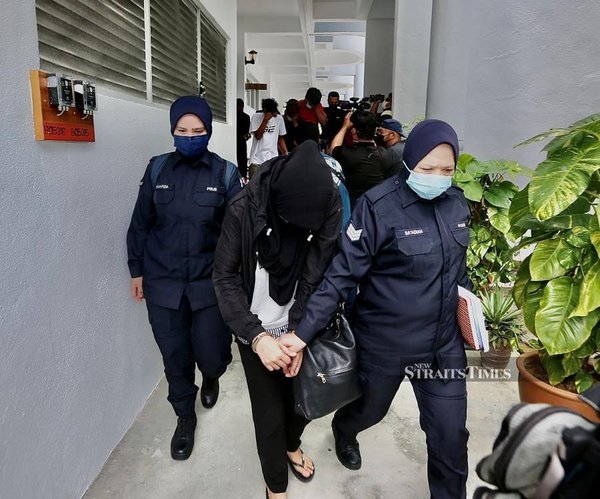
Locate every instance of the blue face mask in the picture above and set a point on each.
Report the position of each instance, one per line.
(191, 147)
(428, 186)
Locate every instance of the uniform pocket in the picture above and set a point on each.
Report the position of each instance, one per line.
(460, 233)
(413, 244)
(163, 196)
(208, 202)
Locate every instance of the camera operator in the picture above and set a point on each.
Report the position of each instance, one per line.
(364, 163)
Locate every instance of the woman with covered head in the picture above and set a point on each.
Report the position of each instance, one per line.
(171, 244)
(279, 235)
(406, 246)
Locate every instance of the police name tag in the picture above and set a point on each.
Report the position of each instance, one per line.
(353, 233)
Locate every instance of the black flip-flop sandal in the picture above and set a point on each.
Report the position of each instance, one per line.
(299, 475)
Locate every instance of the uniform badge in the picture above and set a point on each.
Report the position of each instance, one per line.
(353, 233)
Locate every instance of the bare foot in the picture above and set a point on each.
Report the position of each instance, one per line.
(298, 458)
(271, 495)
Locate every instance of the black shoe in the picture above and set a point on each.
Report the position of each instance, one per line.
(209, 392)
(182, 442)
(347, 452)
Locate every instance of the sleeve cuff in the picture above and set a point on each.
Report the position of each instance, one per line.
(304, 334)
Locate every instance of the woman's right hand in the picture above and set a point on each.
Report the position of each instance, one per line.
(273, 355)
(137, 291)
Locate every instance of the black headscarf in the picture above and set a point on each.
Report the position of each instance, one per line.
(300, 195)
(425, 137)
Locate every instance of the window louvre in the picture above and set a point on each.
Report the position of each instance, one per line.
(103, 41)
(174, 33)
(213, 67)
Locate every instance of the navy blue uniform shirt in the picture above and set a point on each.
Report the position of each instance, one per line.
(408, 255)
(175, 227)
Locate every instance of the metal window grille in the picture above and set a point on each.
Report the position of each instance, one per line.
(174, 33)
(100, 40)
(213, 67)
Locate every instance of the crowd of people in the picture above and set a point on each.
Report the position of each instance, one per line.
(270, 258)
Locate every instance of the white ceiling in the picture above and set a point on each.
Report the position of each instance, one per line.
(288, 59)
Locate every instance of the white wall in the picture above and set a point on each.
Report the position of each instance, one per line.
(379, 48)
(78, 359)
(411, 58)
(504, 71)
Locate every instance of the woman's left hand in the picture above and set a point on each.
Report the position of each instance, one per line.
(294, 368)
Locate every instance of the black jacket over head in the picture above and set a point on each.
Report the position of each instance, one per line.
(247, 219)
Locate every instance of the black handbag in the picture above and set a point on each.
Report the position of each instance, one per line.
(328, 377)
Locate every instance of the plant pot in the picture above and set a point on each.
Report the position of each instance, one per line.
(496, 358)
(534, 391)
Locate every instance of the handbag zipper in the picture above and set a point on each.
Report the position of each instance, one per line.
(322, 376)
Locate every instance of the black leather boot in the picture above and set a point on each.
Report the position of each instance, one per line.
(209, 392)
(182, 442)
(347, 452)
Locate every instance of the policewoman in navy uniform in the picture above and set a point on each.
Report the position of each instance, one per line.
(171, 244)
(406, 248)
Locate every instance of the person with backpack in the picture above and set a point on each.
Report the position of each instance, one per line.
(279, 235)
(171, 244)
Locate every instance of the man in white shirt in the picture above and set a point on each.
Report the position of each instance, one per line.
(268, 128)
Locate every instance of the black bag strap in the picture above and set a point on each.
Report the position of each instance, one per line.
(592, 397)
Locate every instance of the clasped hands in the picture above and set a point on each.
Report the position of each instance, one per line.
(284, 353)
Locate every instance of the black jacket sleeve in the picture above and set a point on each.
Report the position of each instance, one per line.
(142, 221)
(227, 279)
(318, 258)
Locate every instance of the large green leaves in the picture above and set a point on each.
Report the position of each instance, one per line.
(589, 299)
(558, 332)
(500, 194)
(552, 258)
(561, 179)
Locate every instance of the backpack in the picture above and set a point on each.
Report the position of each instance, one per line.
(544, 452)
(158, 162)
(339, 180)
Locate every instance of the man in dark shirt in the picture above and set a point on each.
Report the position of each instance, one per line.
(364, 163)
(335, 117)
(243, 134)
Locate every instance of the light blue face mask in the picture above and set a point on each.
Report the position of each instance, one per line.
(428, 186)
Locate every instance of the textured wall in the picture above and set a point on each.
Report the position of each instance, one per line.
(504, 71)
(77, 360)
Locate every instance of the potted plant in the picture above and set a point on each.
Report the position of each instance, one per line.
(504, 327)
(489, 192)
(558, 285)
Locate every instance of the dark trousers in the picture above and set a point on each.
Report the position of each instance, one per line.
(277, 427)
(443, 414)
(187, 338)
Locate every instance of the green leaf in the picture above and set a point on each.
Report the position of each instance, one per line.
(473, 190)
(521, 282)
(560, 180)
(571, 364)
(519, 207)
(552, 258)
(595, 230)
(553, 132)
(589, 298)
(583, 381)
(587, 349)
(579, 237)
(501, 194)
(463, 160)
(576, 131)
(499, 219)
(558, 332)
(553, 366)
(533, 297)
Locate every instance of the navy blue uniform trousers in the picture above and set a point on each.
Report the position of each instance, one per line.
(443, 414)
(187, 338)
